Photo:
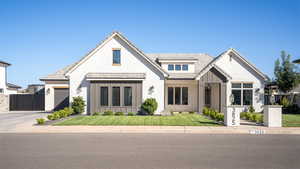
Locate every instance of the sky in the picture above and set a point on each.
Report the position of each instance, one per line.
(38, 37)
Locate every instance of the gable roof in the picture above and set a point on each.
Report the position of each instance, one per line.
(113, 34)
(212, 64)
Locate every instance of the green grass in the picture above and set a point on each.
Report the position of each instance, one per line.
(177, 120)
(291, 120)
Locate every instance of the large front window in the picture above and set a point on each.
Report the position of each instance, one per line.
(242, 93)
(104, 96)
(127, 96)
(178, 95)
(116, 96)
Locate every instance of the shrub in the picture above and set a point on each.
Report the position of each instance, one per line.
(78, 105)
(205, 111)
(220, 117)
(291, 109)
(252, 117)
(248, 115)
(119, 114)
(213, 114)
(131, 114)
(150, 106)
(174, 112)
(40, 121)
(260, 118)
(191, 112)
(108, 113)
(96, 113)
(251, 109)
(285, 102)
(69, 111)
(50, 117)
(56, 115)
(243, 115)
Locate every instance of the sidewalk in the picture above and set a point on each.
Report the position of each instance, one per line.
(154, 129)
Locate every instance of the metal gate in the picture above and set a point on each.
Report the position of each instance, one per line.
(26, 102)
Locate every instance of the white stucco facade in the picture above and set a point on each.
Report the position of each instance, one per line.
(157, 76)
(3, 78)
(241, 73)
(131, 62)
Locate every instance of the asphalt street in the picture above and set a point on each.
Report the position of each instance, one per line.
(148, 151)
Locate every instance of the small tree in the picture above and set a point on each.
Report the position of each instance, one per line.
(150, 105)
(286, 76)
(78, 105)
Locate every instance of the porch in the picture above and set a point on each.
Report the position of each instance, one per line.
(186, 95)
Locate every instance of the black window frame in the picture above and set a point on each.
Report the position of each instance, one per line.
(176, 66)
(125, 97)
(106, 103)
(113, 103)
(185, 67)
(171, 67)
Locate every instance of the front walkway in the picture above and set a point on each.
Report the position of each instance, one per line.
(154, 129)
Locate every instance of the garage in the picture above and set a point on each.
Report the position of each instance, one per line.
(124, 96)
(61, 98)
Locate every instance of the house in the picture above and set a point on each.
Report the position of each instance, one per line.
(35, 89)
(6, 88)
(117, 76)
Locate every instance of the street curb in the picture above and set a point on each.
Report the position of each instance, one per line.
(156, 129)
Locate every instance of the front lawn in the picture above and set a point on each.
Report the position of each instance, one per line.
(291, 120)
(176, 120)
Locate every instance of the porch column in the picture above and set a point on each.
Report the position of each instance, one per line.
(223, 95)
(201, 95)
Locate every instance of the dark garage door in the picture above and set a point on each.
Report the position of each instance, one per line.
(61, 98)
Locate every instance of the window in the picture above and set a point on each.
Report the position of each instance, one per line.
(170, 67)
(116, 56)
(247, 97)
(104, 96)
(185, 95)
(207, 96)
(116, 96)
(178, 95)
(237, 97)
(1, 90)
(242, 93)
(127, 96)
(185, 67)
(177, 67)
(170, 95)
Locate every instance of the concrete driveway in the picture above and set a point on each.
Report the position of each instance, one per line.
(10, 121)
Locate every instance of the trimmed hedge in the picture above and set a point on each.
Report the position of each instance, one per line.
(254, 117)
(119, 114)
(213, 114)
(61, 114)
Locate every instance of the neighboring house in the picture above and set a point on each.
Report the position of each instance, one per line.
(35, 89)
(6, 88)
(117, 76)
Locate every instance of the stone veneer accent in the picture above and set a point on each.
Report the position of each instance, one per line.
(4, 103)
